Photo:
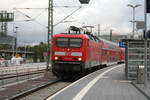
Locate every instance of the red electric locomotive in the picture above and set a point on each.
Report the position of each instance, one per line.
(77, 53)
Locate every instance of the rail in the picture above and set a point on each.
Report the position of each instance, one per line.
(25, 93)
(15, 71)
(26, 71)
(21, 69)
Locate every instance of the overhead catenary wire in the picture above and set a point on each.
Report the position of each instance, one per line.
(23, 14)
(66, 13)
(32, 19)
(63, 20)
(67, 16)
(47, 8)
(40, 14)
(63, 2)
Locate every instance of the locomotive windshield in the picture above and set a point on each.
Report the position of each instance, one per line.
(69, 42)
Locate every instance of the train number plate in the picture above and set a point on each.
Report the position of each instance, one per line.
(68, 53)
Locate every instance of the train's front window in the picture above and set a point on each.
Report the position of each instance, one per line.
(69, 42)
(75, 43)
(62, 42)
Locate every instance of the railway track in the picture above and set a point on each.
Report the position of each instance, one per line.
(12, 79)
(47, 83)
(7, 76)
(38, 89)
(42, 92)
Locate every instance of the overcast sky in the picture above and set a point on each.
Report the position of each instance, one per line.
(110, 14)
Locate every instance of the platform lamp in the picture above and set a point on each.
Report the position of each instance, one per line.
(16, 31)
(133, 21)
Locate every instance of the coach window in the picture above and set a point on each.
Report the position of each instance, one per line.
(104, 52)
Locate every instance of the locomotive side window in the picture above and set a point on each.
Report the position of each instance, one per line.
(75, 43)
(62, 42)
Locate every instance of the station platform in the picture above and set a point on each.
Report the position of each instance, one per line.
(105, 84)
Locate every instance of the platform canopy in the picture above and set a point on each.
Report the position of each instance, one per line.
(84, 1)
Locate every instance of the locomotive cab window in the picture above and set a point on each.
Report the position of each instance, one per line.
(75, 43)
(62, 42)
(69, 42)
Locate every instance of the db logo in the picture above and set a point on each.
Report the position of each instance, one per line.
(68, 53)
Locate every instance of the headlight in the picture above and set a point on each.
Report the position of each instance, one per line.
(56, 58)
(79, 59)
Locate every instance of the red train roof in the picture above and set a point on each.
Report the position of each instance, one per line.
(106, 44)
(71, 35)
(109, 45)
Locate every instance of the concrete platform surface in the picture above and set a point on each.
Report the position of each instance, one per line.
(142, 88)
(105, 84)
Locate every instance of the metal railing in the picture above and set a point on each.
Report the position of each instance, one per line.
(20, 73)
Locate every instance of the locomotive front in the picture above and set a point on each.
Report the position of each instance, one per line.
(67, 54)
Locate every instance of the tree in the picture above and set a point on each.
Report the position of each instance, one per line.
(38, 51)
